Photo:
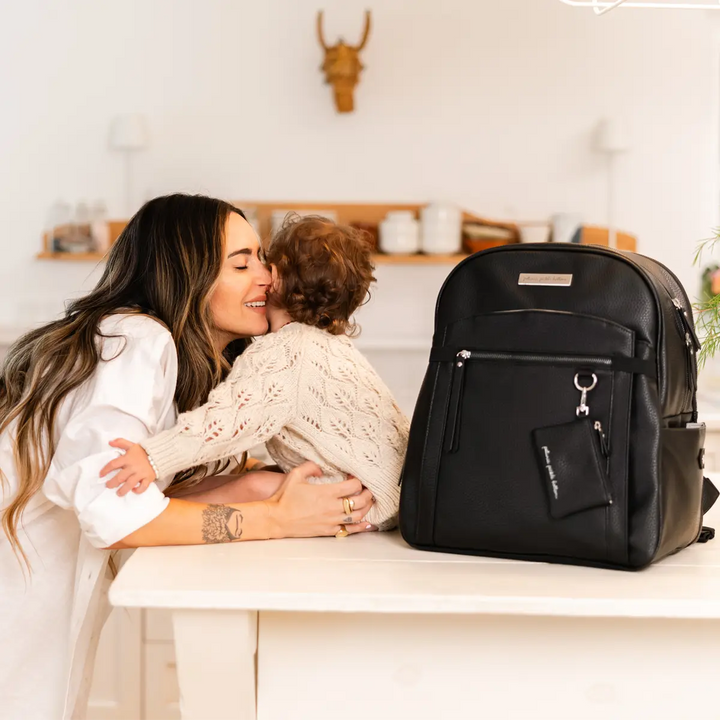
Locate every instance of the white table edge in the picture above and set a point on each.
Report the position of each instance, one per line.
(691, 609)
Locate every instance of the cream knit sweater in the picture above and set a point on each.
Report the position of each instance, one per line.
(308, 395)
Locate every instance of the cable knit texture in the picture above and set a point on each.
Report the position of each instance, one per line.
(308, 395)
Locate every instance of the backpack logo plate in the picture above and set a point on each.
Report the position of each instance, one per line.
(550, 279)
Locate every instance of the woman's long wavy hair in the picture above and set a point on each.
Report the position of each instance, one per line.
(165, 264)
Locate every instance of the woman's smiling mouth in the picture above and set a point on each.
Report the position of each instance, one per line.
(258, 305)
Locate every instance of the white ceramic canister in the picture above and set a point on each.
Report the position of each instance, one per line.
(441, 229)
(399, 233)
(534, 232)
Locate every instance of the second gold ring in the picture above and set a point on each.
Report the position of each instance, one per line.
(348, 505)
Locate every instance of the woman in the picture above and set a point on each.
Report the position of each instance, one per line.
(183, 287)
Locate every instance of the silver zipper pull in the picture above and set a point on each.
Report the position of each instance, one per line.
(691, 337)
(604, 447)
(456, 394)
(603, 440)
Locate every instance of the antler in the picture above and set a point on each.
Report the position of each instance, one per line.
(320, 30)
(366, 33)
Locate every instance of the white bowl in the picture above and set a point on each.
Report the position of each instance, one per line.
(399, 237)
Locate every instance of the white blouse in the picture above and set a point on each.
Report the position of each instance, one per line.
(50, 621)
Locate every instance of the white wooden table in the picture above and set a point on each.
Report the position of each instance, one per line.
(366, 628)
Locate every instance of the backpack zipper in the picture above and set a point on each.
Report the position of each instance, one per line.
(464, 355)
(604, 445)
(692, 345)
(690, 334)
(458, 379)
(673, 287)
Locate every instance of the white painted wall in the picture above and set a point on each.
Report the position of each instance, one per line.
(489, 103)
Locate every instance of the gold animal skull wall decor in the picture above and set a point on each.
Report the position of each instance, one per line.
(342, 65)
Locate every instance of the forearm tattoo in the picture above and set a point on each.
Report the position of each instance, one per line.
(221, 524)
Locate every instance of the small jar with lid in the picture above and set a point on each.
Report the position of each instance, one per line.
(400, 233)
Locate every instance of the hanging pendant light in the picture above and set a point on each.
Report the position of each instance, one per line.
(603, 6)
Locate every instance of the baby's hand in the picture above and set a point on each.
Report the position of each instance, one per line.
(135, 474)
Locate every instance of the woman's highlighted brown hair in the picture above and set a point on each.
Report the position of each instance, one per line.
(325, 272)
(165, 264)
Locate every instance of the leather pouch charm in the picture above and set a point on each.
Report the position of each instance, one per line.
(573, 467)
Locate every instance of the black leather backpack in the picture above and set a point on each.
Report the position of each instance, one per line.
(557, 420)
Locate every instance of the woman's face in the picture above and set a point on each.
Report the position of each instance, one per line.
(238, 301)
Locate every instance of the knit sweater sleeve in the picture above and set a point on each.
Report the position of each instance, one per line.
(256, 400)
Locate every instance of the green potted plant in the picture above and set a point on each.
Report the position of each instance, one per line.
(707, 309)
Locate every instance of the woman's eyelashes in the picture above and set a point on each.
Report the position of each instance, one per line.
(259, 255)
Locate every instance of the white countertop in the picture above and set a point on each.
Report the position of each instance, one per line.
(379, 573)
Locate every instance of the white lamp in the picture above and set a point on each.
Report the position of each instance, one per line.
(129, 134)
(612, 140)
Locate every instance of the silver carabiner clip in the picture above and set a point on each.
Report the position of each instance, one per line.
(583, 409)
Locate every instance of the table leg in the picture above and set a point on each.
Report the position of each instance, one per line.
(216, 663)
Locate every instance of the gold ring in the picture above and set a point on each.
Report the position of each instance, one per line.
(351, 502)
(347, 506)
(342, 532)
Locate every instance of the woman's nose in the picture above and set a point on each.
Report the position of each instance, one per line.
(263, 276)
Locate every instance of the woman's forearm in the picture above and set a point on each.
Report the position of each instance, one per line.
(298, 509)
(191, 523)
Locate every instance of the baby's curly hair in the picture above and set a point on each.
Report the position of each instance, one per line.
(325, 271)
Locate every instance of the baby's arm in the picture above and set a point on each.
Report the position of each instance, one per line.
(256, 400)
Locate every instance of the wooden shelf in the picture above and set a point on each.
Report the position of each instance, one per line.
(346, 214)
(418, 259)
(378, 259)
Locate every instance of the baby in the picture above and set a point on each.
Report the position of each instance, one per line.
(303, 389)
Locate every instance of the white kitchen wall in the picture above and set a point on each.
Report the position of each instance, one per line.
(488, 103)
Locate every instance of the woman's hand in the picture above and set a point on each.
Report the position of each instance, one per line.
(135, 471)
(300, 509)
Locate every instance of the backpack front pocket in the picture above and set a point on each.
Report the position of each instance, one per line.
(491, 490)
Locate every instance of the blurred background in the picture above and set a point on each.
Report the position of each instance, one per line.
(491, 105)
(536, 119)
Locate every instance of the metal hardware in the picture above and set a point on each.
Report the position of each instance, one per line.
(545, 279)
(604, 447)
(583, 409)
